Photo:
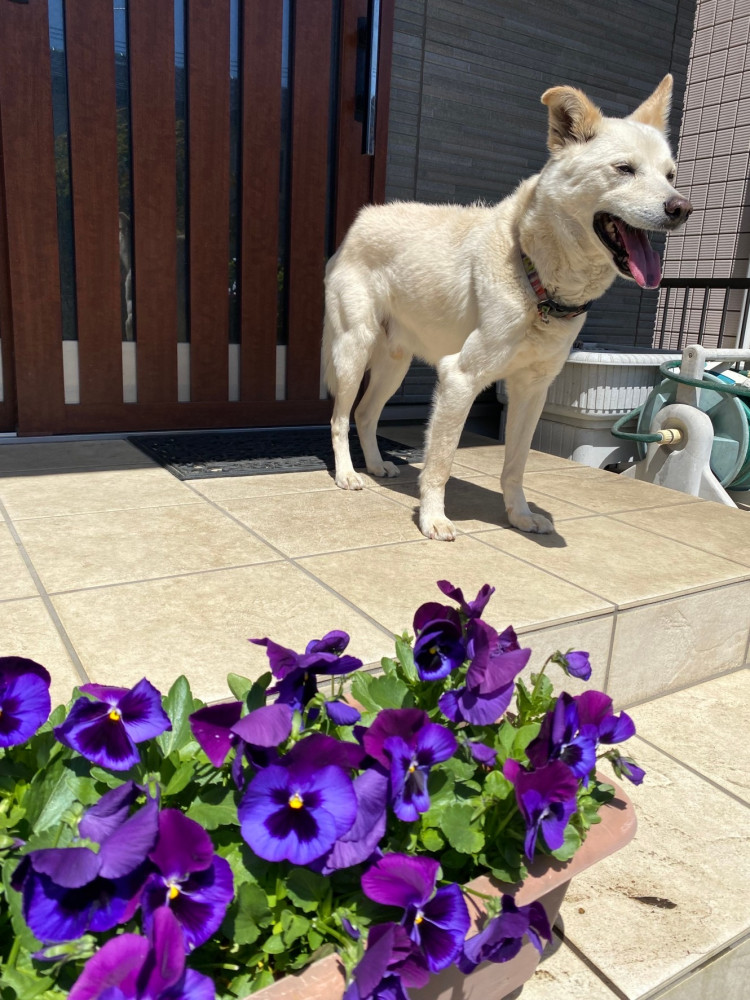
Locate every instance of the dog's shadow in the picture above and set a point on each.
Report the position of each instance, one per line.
(466, 501)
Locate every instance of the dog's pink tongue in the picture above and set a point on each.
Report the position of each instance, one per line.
(643, 260)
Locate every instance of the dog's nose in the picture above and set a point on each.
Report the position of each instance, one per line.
(678, 209)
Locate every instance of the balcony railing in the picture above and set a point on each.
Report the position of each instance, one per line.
(709, 311)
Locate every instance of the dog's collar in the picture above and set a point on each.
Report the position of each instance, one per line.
(546, 306)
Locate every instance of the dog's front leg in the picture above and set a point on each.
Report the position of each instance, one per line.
(455, 393)
(526, 395)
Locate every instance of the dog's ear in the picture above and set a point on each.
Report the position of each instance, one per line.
(655, 109)
(572, 117)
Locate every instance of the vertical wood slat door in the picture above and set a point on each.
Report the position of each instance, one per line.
(285, 230)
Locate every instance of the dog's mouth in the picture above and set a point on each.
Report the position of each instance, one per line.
(631, 251)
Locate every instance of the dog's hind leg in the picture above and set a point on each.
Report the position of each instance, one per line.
(388, 366)
(346, 353)
(526, 395)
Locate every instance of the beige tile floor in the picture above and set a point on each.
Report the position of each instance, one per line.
(113, 569)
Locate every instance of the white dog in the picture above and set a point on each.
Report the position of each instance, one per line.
(484, 293)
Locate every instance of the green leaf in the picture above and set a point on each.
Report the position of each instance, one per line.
(13, 900)
(25, 982)
(238, 685)
(524, 736)
(52, 793)
(307, 889)
(181, 778)
(497, 785)
(455, 822)
(405, 655)
(294, 926)
(248, 915)
(572, 841)
(274, 945)
(214, 808)
(432, 840)
(178, 704)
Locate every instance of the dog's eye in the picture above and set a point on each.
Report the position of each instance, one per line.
(625, 168)
(671, 176)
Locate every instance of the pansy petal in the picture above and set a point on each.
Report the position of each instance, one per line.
(434, 743)
(342, 714)
(482, 753)
(267, 726)
(324, 750)
(432, 611)
(103, 740)
(183, 845)
(24, 707)
(69, 867)
(18, 666)
(361, 840)
(400, 880)
(447, 914)
(106, 693)
(115, 965)
(616, 728)
(54, 913)
(165, 962)
(593, 706)
(483, 710)
(201, 902)
(335, 641)
(131, 842)
(211, 727)
(401, 722)
(282, 661)
(142, 712)
(449, 705)
(373, 965)
(105, 816)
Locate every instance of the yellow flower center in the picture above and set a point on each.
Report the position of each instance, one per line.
(174, 892)
(295, 801)
(433, 650)
(114, 715)
(412, 768)
(419, 918)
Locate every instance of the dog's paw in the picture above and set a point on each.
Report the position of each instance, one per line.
(349, 481)
(533, 523)
(384, 470)
(438, 528)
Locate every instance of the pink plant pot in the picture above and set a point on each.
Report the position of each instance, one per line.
(547, 881)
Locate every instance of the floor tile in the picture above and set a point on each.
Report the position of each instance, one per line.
(670, 644)
(488, 458)
(603, 492)
(706, 727)
(26, 629)
(199, 625)
(55, 455)
(87, 491)
(477, 504)
(15, 579)
(91, 550)
(253, 487)
(622, 563)
(705, 525)
(326, 521)
(391, 581)
(677, 893)
(561, 975)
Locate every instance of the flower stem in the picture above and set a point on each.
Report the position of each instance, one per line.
(14, 952)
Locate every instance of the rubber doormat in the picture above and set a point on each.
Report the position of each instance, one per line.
(208, 455)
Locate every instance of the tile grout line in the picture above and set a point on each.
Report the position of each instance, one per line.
(665, 989)
(294, 561)
(628, 706)
(45, 598)
(693, 770)
(589, 963)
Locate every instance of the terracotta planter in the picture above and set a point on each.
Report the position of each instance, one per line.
(547, 881)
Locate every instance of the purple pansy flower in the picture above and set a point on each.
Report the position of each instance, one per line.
(24, 699)
(482, 753)
(546, 799)
(192, 881)
(297, 672)
(471, 609)
(495, 663)
(211, 727)
(405, 742)
(626, 767)
(390, 963)
(439, 647)
(502, 937)
(342, 714)
(297, 812)
(361, 840)
(575, 663)
(106, 730)
(68, 891)
(436, 922)
(595, 709)
(559, 739)
(129, 967)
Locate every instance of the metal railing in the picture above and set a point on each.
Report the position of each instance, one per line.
(694, 310)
